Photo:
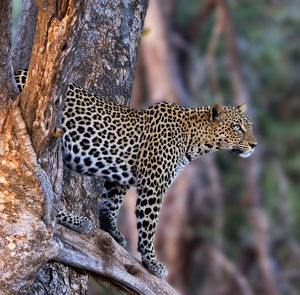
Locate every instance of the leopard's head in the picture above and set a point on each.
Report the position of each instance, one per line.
(232, 129)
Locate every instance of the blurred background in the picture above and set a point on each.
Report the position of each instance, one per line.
(228, 226)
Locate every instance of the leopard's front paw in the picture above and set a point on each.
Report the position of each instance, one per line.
(118, 237)
(156, 267)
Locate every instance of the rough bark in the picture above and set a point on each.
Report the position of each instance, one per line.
(52, 278)
(25, 35)
(56, 278)
(7, 87)
(49, 71)
(106, 60)
(26, 240)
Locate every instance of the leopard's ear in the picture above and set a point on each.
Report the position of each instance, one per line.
(242, 108)
(216, 112)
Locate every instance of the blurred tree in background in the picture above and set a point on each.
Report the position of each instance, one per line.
(228, 225)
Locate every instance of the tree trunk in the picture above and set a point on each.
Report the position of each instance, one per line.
(78, 41)
(30, 168)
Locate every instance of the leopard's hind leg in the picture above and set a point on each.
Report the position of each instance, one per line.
(80, 224)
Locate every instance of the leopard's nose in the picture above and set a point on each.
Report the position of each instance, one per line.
(253, 145)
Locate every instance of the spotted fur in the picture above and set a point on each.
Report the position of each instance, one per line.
(142, 148)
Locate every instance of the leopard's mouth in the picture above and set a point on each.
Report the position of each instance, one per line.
(236, 150)
(243, 154)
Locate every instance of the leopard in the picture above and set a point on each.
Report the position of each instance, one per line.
(145, 148)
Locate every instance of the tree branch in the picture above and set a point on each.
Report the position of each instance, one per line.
(98, 253)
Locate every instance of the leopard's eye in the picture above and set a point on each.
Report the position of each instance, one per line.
(237, 127)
